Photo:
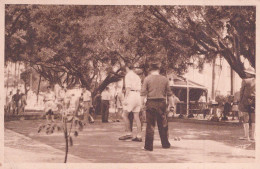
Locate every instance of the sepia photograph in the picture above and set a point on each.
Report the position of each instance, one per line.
(129, 84)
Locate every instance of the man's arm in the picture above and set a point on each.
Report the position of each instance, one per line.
(143, 93)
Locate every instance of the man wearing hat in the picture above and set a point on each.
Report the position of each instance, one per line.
(246, 103)
(156, 89)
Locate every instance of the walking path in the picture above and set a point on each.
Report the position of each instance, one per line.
(21, 149)
(98, 143)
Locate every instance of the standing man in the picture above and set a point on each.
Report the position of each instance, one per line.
(132, 103)
(119, 99)
(60, 96)
(16, 102)
(156, 88)
(49, 99)
(105, 98)
(87, 104)
(247, 92)
(9, 102)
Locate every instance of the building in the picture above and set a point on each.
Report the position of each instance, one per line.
(222, 82)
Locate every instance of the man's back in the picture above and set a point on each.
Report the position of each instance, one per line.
(156, 87)
(132, 81)
(16, 97)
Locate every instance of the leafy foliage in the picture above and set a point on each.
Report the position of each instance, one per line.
(77, 44)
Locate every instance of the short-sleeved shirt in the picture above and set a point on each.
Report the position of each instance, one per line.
(16, 98)
(105, 95)
(132, 81)
(156, 86)
(86, 96)
(49, 96)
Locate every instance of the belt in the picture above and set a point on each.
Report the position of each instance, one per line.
(156, 99)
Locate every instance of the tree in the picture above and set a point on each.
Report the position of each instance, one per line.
(203, 27)
(75, 44)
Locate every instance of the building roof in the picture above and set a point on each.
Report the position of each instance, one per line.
(180, 81)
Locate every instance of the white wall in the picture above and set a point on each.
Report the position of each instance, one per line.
(222, 77)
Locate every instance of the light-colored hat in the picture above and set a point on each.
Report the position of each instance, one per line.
(250, 70)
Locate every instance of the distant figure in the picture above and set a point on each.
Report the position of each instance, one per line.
(73, 104)
(105, 98)
(23, 102)
(60, 96)
(203, 104)
(16, 102)
(247, 92)
(87, 104)
(49, 105)
(119, 104)
(227, 108)
(214, 111)
(173, 106)
(235, 105)
(171, 83)
(202, 98)
(8, 103)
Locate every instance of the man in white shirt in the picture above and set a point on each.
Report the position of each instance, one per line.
(49, 106)
(132, 103)
(87, 104)
(105, 98)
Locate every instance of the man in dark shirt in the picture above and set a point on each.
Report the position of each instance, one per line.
(156, 89)
(16, 100)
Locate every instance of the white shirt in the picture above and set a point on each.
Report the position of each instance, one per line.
(202, 99)
(49, 96)
(86, 96)
(132, 81)
(105, 95)
(171, 83)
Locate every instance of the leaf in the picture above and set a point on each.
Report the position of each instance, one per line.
(41, 128)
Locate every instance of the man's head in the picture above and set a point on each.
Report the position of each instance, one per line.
(155, 65)
(17, 91)
(48, 88)
(129, 67)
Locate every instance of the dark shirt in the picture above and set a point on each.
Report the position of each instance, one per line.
(16, 97)
(227, 108)
(156, 87)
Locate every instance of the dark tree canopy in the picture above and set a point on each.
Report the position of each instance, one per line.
(77, 44)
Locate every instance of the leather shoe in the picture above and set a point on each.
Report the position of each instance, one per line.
(143, 148)
(168, 146)
(125, 137)
(137, 139)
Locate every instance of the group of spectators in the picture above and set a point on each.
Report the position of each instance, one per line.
(15, 103)
(66, 104)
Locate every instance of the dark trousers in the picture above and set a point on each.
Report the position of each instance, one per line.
(105, 110)
(156, 112)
